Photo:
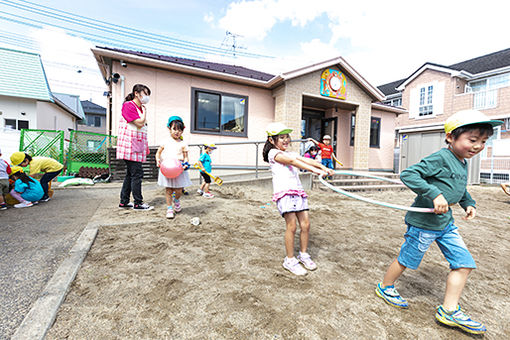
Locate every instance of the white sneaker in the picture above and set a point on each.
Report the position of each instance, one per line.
(306, 260)
(293, 266)
(23, 205)
(208, 195)
(170, 213)
(200, 192)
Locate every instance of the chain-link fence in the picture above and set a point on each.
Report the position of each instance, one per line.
(88, 149)
(47, 143)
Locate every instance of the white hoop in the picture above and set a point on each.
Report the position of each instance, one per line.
(368, 200)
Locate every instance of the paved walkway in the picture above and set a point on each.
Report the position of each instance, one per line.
(34, 242)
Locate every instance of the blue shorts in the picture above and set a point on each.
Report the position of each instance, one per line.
(327, 162)
(448, 240)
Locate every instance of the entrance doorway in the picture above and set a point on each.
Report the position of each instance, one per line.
(330, 127)
(314, 125)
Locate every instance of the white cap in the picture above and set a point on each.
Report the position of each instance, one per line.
(277, 128)
(326, 137)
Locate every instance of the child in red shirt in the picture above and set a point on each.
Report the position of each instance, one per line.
(326, 151)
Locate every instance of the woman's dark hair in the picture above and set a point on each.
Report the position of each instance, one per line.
(23, 177)
(137, 88)
(313, 148)
(267, 147)
(483, 128)
(177, 124)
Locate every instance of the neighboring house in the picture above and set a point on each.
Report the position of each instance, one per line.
(26, 101)
(95, 118)
(227, 103)
(434, 92)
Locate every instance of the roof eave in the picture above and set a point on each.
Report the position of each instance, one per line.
(428, 66)
(99, 53)
(388, 108)
(61, 104)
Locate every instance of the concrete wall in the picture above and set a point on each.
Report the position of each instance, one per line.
(13, 107)
(50, 116)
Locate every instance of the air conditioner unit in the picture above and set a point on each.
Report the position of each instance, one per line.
(468, 89)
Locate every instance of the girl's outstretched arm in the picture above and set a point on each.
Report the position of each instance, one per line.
(298, 163)
(317, 165)
(158, 155)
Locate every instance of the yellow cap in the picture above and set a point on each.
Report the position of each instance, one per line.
(15, 169)
(17, 158)
(210, 146)
(277, 128)
(468, 117)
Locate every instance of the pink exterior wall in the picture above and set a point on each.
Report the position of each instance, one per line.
(454, 99)
(382, 157)
(171, 95)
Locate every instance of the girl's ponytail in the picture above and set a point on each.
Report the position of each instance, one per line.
(137, 88)
(267, 147)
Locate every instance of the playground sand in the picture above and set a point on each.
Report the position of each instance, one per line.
(223, 279)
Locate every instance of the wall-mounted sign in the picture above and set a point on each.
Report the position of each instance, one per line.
(333, 84)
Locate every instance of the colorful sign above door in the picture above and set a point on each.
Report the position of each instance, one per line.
(333, 84)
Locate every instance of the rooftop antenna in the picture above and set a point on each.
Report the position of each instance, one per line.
(230, 42)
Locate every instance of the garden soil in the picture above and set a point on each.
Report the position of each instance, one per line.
(147, 277)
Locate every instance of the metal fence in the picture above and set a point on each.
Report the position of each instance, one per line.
(258, 146)
(47, 143)
(495, 170)
(88, 149)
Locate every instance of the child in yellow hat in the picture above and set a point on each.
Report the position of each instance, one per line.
(440, 181)
(48, 166)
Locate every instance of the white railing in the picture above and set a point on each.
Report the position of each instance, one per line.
(485, 99)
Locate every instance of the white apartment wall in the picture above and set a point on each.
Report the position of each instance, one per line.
(13, 107)
(50, 116)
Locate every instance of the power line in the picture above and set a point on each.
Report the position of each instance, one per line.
(112, 42)
(121, 30)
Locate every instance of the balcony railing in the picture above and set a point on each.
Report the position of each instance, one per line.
(485, 99)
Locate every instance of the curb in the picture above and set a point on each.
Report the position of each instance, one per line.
(42, 315)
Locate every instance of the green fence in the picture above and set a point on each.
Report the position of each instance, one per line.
(47, 143)
(88, 149)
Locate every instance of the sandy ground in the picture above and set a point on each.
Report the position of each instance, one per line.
(223, 279)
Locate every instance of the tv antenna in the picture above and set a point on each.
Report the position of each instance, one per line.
(230, 42)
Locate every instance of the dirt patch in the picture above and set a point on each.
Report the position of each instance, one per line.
(224, 278)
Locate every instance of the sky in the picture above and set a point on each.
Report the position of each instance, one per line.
(383, 40)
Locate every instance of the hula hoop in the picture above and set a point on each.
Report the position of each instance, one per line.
(368, 200)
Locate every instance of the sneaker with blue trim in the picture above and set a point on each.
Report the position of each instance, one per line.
(390, 295)
(458, 318)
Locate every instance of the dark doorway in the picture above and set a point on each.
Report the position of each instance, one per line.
(311, 124)
(330, 127)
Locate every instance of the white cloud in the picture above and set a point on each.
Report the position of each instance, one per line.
(384, 41)
(70, 65)
(209, 18)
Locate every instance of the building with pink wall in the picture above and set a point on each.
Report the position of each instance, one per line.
(434, 92)
(222, 103)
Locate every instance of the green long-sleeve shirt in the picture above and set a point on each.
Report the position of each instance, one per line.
(439, 173)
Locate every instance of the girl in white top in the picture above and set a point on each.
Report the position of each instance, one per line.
(174, 148)
(289, 195)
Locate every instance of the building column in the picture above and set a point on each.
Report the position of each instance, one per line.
(362, 138)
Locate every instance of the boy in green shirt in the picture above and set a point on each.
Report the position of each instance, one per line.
(440, 181)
